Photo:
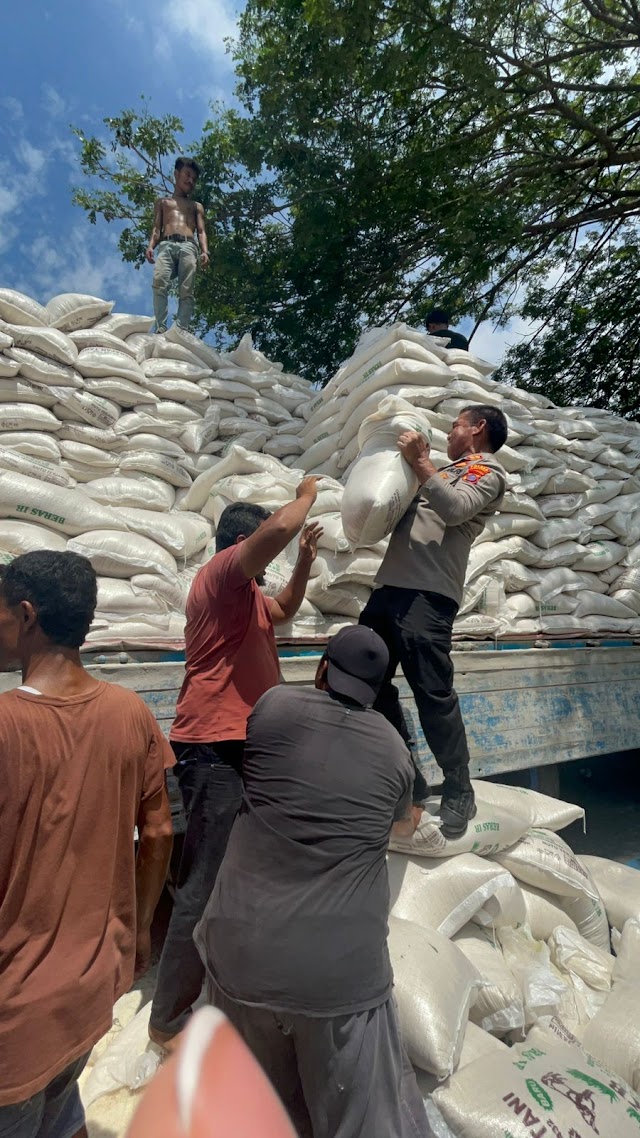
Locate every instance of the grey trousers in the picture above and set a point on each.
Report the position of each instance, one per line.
(338, 1077)
(174, 259)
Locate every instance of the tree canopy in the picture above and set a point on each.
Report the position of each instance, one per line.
(387, 156)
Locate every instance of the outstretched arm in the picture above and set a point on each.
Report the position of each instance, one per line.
(285, 606)
(202, 235)
(277, 531)
(156, 232)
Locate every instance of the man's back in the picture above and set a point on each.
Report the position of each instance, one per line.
(231, 656)
(74, 772)
(298, 917)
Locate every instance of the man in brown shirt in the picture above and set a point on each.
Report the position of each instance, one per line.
(82, 763)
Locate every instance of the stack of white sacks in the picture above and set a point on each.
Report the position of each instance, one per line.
(127, 447)
(515, 1011)
(516, 974)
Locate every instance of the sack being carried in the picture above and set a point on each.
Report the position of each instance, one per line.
(381, 485)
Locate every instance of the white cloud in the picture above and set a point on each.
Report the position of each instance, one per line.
(13, 107)
(75, 263)
(30, 156)
(205, 24)
(492, 343)
(53, 103)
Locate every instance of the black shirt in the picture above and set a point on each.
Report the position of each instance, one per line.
(456, 339)
(297, 920)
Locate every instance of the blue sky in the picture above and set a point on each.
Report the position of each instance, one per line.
(77, 62)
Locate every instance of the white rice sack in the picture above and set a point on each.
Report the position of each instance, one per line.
(245, 355)
(544, 913)
(182, 534)
(282, 446)
(204, 352)
(41, 369)
(25, 537)
(102, 362)
(543, 860)
(540, 1092)
(381, 484)
(619, 888)
(157, 443)
(239, 461)
(69, 511)
(160, 465)
(137, 490)
(80, 471)
(261, 405)
(105, 439)
(88, 408)
(507, 525)
(613, 1036)
(250, 440)
(124, 324)
(44, 341)
(163, 349)
(505, 814)
(544, 989)
(571, 953)
(514, 575)
(604, 491)
(532, 483)
(175, 369)
(599, 555)
(33, 443)
(164, 630)
(119, 598)
(477, 625)
(121, 390)
(72, 310)
(555, 530)
(102, 460)
(180, 390)
(626, 968)
(498, 1006)
(196, 436)
(630, 598)
(345, 600)
(34, 467)
(174, 413)
(563, 554)
(5, 340)
(122, 555)
(27, 417)
(172, 590)
(359, 379)
(8, 367)
(16, 308)
(434, 987)
(340, 568)
(444, 894)
(596, 604)
(97, 337)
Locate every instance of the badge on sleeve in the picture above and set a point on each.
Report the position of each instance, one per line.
(475, 472)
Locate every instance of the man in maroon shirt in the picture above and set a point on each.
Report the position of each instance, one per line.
(231, 660)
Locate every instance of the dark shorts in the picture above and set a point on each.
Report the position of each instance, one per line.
(55, 1112)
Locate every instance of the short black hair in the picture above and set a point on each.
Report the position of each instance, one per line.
(63, 589)
(497, 425)
(189, 163)
(437, 316)
(241, 519)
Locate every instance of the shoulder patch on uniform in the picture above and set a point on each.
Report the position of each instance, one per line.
(475, 472)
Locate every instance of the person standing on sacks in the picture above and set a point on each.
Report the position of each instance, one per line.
(419, 587)
(231, 661)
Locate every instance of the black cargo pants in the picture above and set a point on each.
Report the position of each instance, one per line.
(416, 627)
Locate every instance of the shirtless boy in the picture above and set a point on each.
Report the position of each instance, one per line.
(176, 221)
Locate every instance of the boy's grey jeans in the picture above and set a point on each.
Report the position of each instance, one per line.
(174, 259)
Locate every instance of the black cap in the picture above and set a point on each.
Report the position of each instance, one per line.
(358, 660)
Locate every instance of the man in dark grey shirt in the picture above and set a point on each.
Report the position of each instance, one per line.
(421, 581)
(294, 937)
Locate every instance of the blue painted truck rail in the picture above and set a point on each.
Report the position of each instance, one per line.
(523, 708)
